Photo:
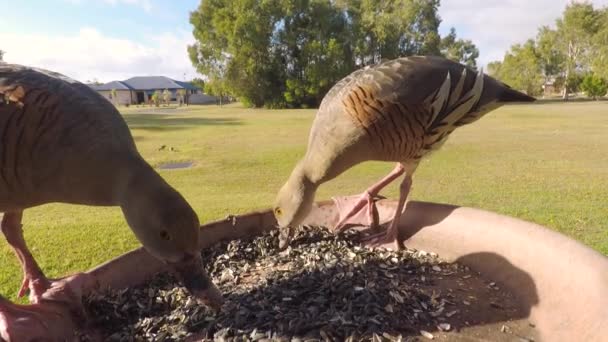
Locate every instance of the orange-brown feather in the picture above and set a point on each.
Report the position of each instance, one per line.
(395, 128)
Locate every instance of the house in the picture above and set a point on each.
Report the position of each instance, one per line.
(139, 89)
(124, 94)
(549, 88)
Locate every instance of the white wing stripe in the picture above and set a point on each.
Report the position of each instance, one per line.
(440, 98)
(457, 93)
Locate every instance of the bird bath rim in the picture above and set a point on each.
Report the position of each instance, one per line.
(561, 283)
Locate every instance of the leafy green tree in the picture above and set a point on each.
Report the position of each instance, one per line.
(574, 35)
(233, 41)
(521, 68)
(494, 69)
(181, 96)
(594, 86)
(573, 82)
(578, 45)
(1, 55)
(94, 81)
(463, 51)
(387, 29)
(552, 59)
(166, 96)
(288, 53)
(600, 43)
(198, 82)
(317, 50)
(114, 96)
(156, 96)
(218, 88)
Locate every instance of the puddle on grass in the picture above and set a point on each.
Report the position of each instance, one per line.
(176, 166)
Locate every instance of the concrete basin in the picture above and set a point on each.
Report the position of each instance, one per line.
(560, 284)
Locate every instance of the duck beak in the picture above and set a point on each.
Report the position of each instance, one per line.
(285, 236)
(191, 273)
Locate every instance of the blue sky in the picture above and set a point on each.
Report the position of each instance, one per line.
(117, 39)
(131, 19)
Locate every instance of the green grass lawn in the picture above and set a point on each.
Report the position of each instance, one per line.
(546, 163)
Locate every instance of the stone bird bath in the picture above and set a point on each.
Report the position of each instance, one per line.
(561, 285)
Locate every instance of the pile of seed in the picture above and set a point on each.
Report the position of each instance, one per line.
(322, 287)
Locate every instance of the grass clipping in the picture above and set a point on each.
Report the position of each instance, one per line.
(322, 287)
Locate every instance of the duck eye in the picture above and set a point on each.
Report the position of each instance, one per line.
(278, 211)
(165, 235)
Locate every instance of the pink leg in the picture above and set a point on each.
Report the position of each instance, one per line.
(37, 322)
(34, 279)
(359, 209)
(391, 236)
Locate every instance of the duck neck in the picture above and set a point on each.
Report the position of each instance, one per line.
(142, 184)
(303, 173)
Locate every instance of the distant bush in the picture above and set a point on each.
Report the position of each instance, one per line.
(166, 96)
(594, 86)
(181, 96)
(156, 96)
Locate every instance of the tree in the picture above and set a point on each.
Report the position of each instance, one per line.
(521, 68)
(387, 29)
(233, 41)
(181, 96)
(574, 34)
(94, 81)
(576, 47)
(494, 69)
(114, 97)
(167, 96)
(156, 96)
(317, 52)
(459, 50)
(286, 53)
(1, 55)
(552, 59)
(198, 82)
(594, 86)
(217, 87)
(600, 43)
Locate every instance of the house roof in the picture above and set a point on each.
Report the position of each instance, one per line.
(187, 85)
(145, 83)
(118, 85)
(156, 82)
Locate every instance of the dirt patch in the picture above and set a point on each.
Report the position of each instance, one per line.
(176, 165)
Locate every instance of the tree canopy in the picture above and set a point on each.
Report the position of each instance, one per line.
(460, 50)
(288, 53)
(574, 50)
(594, 86)
(520, 68)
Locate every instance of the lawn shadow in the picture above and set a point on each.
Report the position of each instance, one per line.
(559, 100)
(166, 122)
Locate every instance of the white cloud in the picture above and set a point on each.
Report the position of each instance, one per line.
(90, 54)
(494, 25)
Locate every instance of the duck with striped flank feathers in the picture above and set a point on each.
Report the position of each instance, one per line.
(397, 111)
(60, 141)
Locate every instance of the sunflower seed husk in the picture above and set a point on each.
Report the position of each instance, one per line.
(444, 326)
(322, 287)
(427, 334)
